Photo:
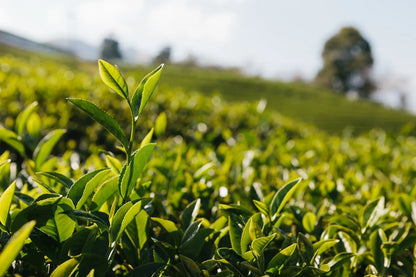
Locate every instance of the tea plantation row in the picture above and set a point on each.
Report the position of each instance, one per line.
(227, 190)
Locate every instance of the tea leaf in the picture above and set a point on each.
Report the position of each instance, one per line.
(135, 168)
(11, 139)
(22, 118)
(145, 89)
(308, 222)
(113, 78)
(280, 258)
(5, 202)
(66, 269)
(45, 146)
(103, 118)
(60, 178)
(13, 246)
(282, 196)
(190, 212)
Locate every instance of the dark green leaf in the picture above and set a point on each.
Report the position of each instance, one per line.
(190, 212)
(60, 178)
(280, 258)
(76, 190)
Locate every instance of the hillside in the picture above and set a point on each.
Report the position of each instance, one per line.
(328, 111)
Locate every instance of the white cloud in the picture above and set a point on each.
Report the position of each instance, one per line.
(175, 20)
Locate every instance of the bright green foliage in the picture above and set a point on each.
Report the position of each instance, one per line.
(220, 194)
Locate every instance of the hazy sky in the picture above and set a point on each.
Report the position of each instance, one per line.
(276, 38)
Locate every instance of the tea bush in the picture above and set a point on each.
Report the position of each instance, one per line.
(228, 190)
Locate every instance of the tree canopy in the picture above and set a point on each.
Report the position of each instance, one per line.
(347, 62)
(110, 49)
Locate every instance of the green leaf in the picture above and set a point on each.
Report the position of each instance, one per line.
(282, 196)
(129, 217)
(23, 117)
(90, 186)
(308, 222)
(76, 190)
(5, 202)
(113, 163)
(376, 241)
(280, 258)
(45, 146)
(145, 89)
(14, 245)
(65, 269)
(372, 212)
(235, 225)
(103, 118)
(260, 244)
(251, 231)
(135, 168)
(65, 225)
(147, 139)
(118, 219)
(305, 248)
(11, 139)
(339, 259)
(193, 239)
(261, 207)
(90, 217)
(146, 270)
(108, 189)
(321, 246)
(170, 227)
(190, 212)
(113, 78)
(62, 179)
(160, 124)
(190, 266)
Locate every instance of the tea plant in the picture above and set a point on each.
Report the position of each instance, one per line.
(169, 216)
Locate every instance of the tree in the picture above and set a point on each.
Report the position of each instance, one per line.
(110, 49)
(347, 62)
(163, 56)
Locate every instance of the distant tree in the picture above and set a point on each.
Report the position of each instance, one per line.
(164, 55)
(110, 49)
(347, 62)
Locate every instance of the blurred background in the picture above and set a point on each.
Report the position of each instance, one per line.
(357, 49)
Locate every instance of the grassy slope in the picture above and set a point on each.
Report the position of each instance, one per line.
(329, 111)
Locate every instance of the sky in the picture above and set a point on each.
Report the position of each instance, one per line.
(272, 38)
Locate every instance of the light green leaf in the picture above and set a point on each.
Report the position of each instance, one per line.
(113, 78)
(65, 269)
(321, 246)
(65, 225)
(261, 207)
(308, 222)
(107, 189)
(5, 201)
(129, 217)
(135, 168)
(170, 227)
(11, 139)
(147, 139)
(118, 219)
(260, 244)
(103, 118)
(280, 258)
(90, 186)
(14, 245)
(160, 124)
(45, 146)
(113, 163)
(76, 190)
(23, 117)
(282, 196)
(145, 89)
